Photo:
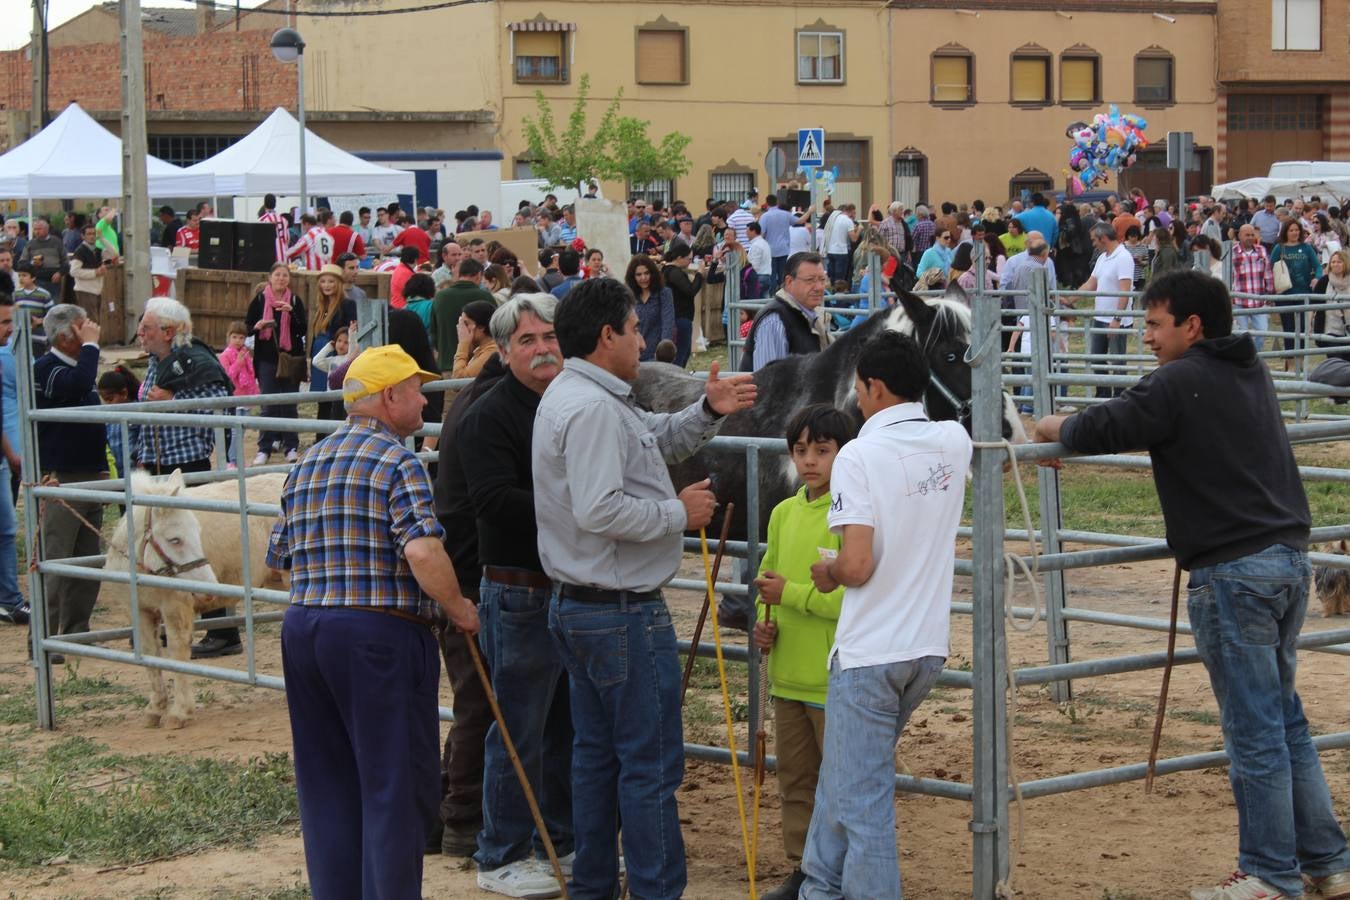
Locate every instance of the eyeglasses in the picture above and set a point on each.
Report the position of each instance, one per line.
(815, 279)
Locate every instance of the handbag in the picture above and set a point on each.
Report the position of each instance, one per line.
(292, 367)
(1281, 273)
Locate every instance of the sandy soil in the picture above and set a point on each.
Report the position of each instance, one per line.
(1112, 842)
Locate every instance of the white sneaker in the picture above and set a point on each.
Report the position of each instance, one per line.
(260, 459)
(565, 863)
(292, 456)
(1239, 886)
(523, 878)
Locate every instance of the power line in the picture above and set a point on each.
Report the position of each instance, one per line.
(318, 14)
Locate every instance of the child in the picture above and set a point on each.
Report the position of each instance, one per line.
(802, 632)
(747, 322)
(665, 351)
(119, 385)
(37, 301)
(237, 361)
(333, 355)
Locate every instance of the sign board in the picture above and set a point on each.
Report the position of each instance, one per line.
(810, 148)
(1180, 149)
(775, 162)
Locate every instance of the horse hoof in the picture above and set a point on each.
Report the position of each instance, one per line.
(173, 723)
(152, 720)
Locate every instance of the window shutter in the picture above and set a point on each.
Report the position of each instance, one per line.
(1079, 80)
(660, 57)
(1028, 80)
(951, 79)
(1153, 80)
(538, 43)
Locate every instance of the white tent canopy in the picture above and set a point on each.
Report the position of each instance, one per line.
(268, 160)
(1282, 188)
(74, 156)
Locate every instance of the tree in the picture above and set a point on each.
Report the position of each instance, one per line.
(619, 148)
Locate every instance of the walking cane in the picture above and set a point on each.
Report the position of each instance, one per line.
(515, 763)
(703, 614)
(1167, 678)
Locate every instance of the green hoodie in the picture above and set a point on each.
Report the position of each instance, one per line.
(806, 618)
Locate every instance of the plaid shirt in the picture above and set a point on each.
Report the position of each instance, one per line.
(348, 509)
(173, 445)
(894, 233)
(1251, 275)
(923, 232)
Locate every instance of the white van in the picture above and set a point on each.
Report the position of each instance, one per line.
(1307, 169)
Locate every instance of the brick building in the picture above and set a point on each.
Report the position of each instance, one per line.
(1284, 84)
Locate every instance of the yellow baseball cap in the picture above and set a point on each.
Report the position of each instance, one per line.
(378, 368)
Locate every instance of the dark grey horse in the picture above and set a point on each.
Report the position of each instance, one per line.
(940, 325)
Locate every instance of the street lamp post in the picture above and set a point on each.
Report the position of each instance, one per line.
(289, 47)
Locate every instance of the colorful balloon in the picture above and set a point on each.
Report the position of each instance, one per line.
(1109, 145)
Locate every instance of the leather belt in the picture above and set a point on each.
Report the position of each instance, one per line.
(518, 577)
(605, 595)
(396, 613)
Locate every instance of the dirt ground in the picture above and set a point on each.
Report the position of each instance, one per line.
(1111, 843)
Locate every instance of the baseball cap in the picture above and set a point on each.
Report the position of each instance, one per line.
(378, 368)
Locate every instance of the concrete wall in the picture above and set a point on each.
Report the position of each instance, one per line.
(974, 151)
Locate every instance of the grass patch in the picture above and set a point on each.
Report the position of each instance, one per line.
(1198, 716)
(74, 694)
(77, 800)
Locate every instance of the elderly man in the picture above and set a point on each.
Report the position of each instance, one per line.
(64, 378)
(610, 527)
(894, 230)
(1252, 275)
(451, 254)
(181, 367)
(527, 672)
(788, 323)
(359, 534)
(47, 254)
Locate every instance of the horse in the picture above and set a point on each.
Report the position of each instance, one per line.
(201, 546)
(942, 328)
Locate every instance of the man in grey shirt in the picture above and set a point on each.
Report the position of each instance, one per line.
(610, 527)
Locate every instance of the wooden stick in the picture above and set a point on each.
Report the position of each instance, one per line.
(515, 763)
(703, 614)
(1166, 681)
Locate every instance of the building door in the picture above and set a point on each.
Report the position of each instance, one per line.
(1151, 175)
(1268, 128)
(851, 159)
(911, 176)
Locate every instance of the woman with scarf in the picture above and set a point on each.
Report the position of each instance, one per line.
(1332, 323)
(277, 320)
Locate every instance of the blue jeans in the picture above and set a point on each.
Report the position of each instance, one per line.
(684, 341)
(10, 597)
(839, 268)
(850, 847)
(779, 268)
(628, 754)
(1246, 615)
(527, 676)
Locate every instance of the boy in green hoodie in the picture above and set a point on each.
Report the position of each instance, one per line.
(802, 632)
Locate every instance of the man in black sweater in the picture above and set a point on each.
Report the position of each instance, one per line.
(494, 441)
(64, 377)
(1237, 518)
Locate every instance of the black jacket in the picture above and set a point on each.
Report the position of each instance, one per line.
(69, 446)
(265, 349)
(191, 366)
(801, 339)
(1222, 463)
(684, 288)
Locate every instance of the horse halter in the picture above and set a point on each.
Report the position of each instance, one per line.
(962, 408)
(170, 569)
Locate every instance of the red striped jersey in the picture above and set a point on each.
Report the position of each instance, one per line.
(314, 249)
(275, 218)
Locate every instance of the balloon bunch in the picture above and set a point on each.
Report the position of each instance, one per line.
(1104, 147)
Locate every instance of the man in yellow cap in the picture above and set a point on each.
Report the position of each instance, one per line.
(359, 534)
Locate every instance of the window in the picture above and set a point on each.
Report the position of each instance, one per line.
(1296, 25)
(1030, 80)
(820, 57)
(1080, 76)
(731, 187)
(1027, 182)
(662, 53)
(660, 191)
(1275, 112)
(953, 75)
(522, 169)
(1153, 77)
(188, 149)
(539, 51)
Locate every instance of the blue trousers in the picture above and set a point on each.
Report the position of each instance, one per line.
(362, 692)
(684, 341)
(1247, 615)
(10, 596)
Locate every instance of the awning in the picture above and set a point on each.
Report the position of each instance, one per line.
(541, 25)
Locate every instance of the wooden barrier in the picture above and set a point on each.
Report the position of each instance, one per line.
(217, 297)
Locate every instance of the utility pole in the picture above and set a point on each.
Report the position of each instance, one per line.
(135, 190)
(37, 52)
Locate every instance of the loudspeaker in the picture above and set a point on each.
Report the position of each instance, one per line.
(255, 246)
(216, 249)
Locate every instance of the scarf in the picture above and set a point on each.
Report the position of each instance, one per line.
(270, 301)
(1338, 285)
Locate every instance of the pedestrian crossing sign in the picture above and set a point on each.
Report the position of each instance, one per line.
(810, 147)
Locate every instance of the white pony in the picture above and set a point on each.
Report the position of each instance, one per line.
(201, 546)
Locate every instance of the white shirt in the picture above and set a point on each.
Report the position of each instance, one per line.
(905, 477)
(799, 239)
(1111, 269)
(838, 240)
(760, 256)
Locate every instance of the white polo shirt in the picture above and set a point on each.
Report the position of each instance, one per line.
(1111, 269)
(905, 477)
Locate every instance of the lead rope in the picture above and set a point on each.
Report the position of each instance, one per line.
(1166, 681)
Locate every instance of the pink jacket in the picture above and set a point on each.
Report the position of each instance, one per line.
(238, 364)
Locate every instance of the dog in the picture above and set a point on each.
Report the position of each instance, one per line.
(1333, 584)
